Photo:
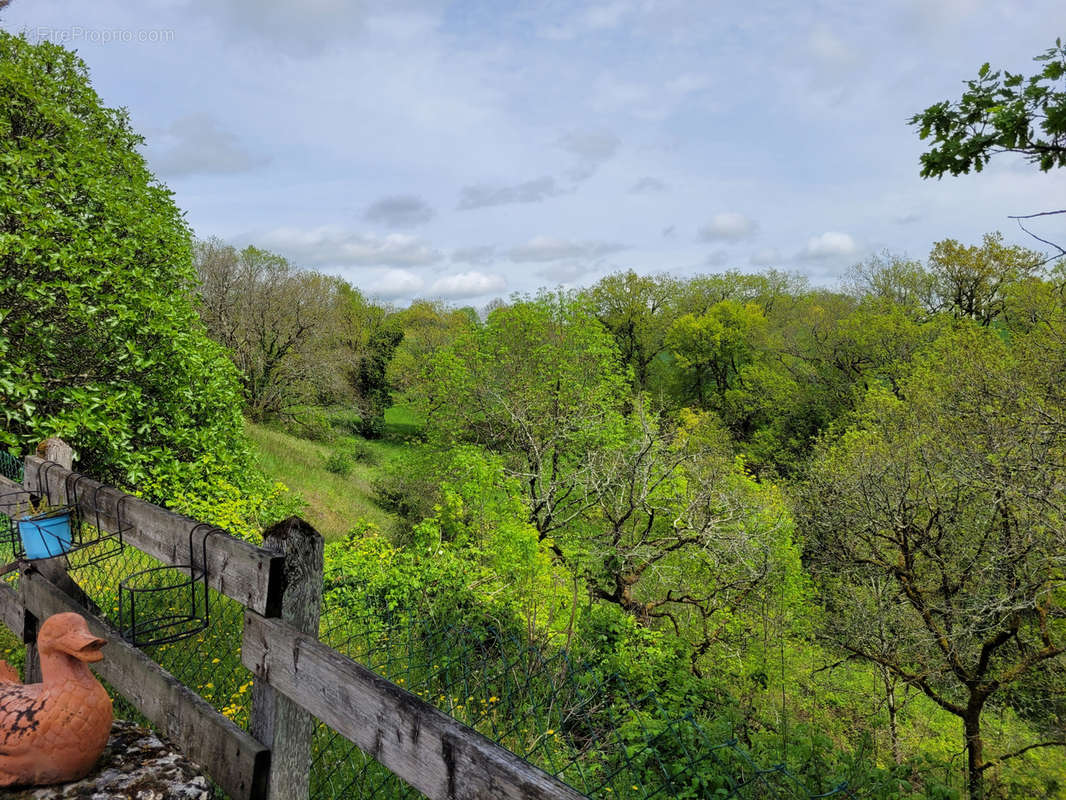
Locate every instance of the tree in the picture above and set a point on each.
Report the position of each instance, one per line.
(679, 535)
(1000, 112)
(99, 340)
(272, 318)
(428, 327)
(974, 281)
(954, 493)
(769, 289)
(635, 309)
(539, 382)
(712, 349)
(370, 380)
(895, 279)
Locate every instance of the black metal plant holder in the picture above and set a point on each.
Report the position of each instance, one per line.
(58, 530)
(165, 604)
(11, 503)
(95, 545)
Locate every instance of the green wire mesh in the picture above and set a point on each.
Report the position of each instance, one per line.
(588, 731)
(10, 466)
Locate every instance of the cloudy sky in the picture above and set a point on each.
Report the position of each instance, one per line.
(466, 150)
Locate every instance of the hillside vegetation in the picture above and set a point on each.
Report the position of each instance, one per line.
(825, 525)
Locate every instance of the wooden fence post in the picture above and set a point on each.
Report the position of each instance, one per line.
(277, 721)
(54, 569)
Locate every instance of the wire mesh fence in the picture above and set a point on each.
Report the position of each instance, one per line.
(191, 631)
(10, 466)
(586, 729)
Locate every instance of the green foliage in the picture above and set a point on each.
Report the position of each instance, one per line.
(713, 348)
(275, 321)
(409, 485)
(476, 552)
(428, 328)
(98, 342)
(372, 336)
(637, 311)
(339, 463)
(541, 383)
(1000, 112)
(936, 522)
(243, 509)
(309, 422)
(974, 282)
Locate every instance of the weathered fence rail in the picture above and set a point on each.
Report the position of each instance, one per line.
(246, 573)
(424, 746)
(296, 676)
(233, 759)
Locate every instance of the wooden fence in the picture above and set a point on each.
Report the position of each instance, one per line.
(296, 676)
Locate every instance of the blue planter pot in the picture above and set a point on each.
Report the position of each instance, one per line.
(45, 535)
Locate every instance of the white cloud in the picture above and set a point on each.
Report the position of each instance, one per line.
(297, 28)
(394, 283)
(729, 226)
(546, 248)
(590, 145)
(565, 271)
(829, 245)
(197, 144)
(335, 246)
(830, 49)
(612, 95)
(605, 16)
(468, 284)
(616, 92)
(598, 18)
(688, 83)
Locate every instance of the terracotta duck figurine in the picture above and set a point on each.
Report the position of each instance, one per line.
(53, 732)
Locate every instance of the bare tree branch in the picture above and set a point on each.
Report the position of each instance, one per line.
(1027, 748)
(1019, 217)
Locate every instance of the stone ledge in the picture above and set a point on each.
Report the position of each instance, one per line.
(136, 765)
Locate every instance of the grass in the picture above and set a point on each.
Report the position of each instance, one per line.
(401, 422)
(334, 501)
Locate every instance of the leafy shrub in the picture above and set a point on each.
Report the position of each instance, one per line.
(339, 463)
(345, 420)
(361, 451)
(309, 422)
(241, 508)
(408, 485)
(100, 343)
(372, 427)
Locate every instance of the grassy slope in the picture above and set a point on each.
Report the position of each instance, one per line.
(333, 502)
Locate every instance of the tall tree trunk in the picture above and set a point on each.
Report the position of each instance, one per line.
(893, 726)
(971, 723)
